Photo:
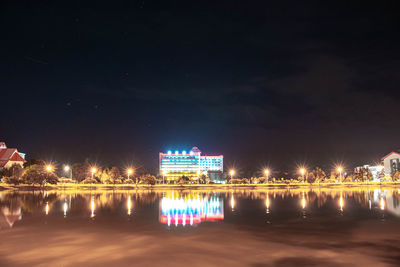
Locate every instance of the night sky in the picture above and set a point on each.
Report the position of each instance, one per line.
(276, 83)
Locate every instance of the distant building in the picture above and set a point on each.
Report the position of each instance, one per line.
(375, 171)
(191, 164)
(10, 156)
(391, 162)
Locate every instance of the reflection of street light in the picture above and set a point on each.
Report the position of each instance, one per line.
(92, 207)
(302, 172)
(266, 171)
(232, 203)
(93, 171)
(339, 170)
(129, 205)
(303, 201)
(47, 208)
(341, 202)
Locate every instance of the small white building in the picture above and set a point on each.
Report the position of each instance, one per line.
(391, 162)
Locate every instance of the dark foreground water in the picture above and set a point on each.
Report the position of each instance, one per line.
(198, 228)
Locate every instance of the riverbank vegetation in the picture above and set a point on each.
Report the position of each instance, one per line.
(37, 172)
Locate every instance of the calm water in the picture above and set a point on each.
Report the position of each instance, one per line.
(260, 228)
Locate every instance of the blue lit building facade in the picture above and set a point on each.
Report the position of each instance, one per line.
(175, 164)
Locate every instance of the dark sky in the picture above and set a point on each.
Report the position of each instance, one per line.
(262, 82)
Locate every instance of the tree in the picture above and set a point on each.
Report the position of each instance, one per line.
(203, 179)
(90, 180)
(311, 177)
(128, 181)
(381, 175)
(396, 176)
(81, 171)
(12, 175)
(148, 179)
(115, 175)
(31, 162)
(105, 177)
(37, 174)
(183, 180)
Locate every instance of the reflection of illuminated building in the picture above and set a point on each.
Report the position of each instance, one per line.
(9, 216)
(182, 211)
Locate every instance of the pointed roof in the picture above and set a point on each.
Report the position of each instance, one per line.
(17, 157)
(393, 152)
(9, 154)
(195, 149)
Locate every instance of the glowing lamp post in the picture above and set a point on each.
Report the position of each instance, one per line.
(49, 169)
(339, 170)
(266, 171)
(302, 172)
(129, 171)
(93, 171)
(232, 173)
(68, 169)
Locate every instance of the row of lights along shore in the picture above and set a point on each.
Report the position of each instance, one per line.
(302, 171)
(93, 170)
(232, 172)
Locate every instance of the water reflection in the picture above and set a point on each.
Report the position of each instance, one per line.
(92, 207)
(190, 209)
(129, 206)
(341, 202)
(267, 203)
(8, 216)
(183, 208)
(233, 203)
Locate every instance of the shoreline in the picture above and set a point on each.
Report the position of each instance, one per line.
(8, 187)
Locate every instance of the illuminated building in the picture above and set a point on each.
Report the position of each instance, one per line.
(391, 162)
(192, 164)
(374, 170)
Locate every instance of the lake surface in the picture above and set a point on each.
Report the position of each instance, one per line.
(196, 228)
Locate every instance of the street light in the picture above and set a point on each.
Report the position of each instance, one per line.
(266, 171)
(339, 170)
(302, 172)
(232, 173)
(129, 171)
(67, 169)
(49, 168)
(93, 171)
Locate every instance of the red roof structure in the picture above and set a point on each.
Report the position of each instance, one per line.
(9, 154)
(393, 152)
